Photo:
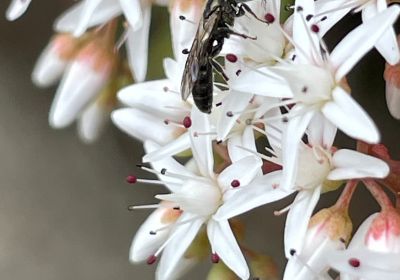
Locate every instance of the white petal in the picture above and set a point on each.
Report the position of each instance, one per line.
(173, 69)
(295, 268)
(302, 35)
(298, 218)
(137, 47)
(171, 165)
(262, 82)
(321, 131)
(182, 237)
(348, 116)
(151, 97)
(144, 126)
(372, 265)
(238, 141)
(387, 43)
(393, 99)
(251, 165)
(335, 11)
(132, 12)
(261, 191)
(92, 122)
(291, 141)
(350, 164)
(359, 41)
(224, 243)
(49, 67)
(234, 102)
(72, 21)
(78, 87)
(183, 32)
(358, 240)
(180, 144)
(201, 144)
(145, 244)
(17, 8)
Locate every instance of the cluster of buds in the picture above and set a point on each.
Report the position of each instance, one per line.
(270, 134)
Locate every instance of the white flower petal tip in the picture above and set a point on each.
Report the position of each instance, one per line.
(353, 165)
(344, 112)
(16, 9)
(362, 39)
(92, 122)
(70, 98)
(137, 47)
(53, 60)
(393, 99)
(144, 126)
(144, 244)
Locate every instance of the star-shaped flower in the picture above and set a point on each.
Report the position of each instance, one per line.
(199, 196)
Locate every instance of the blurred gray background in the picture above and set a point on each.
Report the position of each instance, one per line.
(63, 203)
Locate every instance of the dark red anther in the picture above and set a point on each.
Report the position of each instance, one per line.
(214, 258)
(152, 259)
(315, 28)
(131, 179)
(354, 262)
(187, 122)
(235, 183)
(229, 114)
(231, 57)
(269, 18)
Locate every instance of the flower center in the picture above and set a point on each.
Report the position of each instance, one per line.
(314, 166)
(201, 197)
(310, 84)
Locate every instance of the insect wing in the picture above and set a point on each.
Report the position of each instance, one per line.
(199, 49)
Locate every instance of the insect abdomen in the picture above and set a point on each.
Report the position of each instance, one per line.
(203, 89)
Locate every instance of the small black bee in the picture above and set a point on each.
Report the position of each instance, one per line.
(215, 25)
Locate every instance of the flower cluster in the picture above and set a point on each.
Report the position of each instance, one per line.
(270, 134)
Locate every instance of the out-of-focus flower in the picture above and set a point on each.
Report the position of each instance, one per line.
(55, 58)
(91, 73)
(91, 13)
(392, 78)
(17, 8)
(87, 74)
(199, 196)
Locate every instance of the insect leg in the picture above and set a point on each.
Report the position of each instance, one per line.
(208, 11)
(229, 31)
(219, 69)
(245, 8)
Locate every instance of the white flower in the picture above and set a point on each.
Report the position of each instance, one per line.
(156, 112)
(316, 164)
(199, 197)
(17, 8)
(374, 252)
(85, 78)
(314, 80)
(392, 78)
(90, 13)
(333, 11)
(328, 231)
(54, 59)
(268, 47)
